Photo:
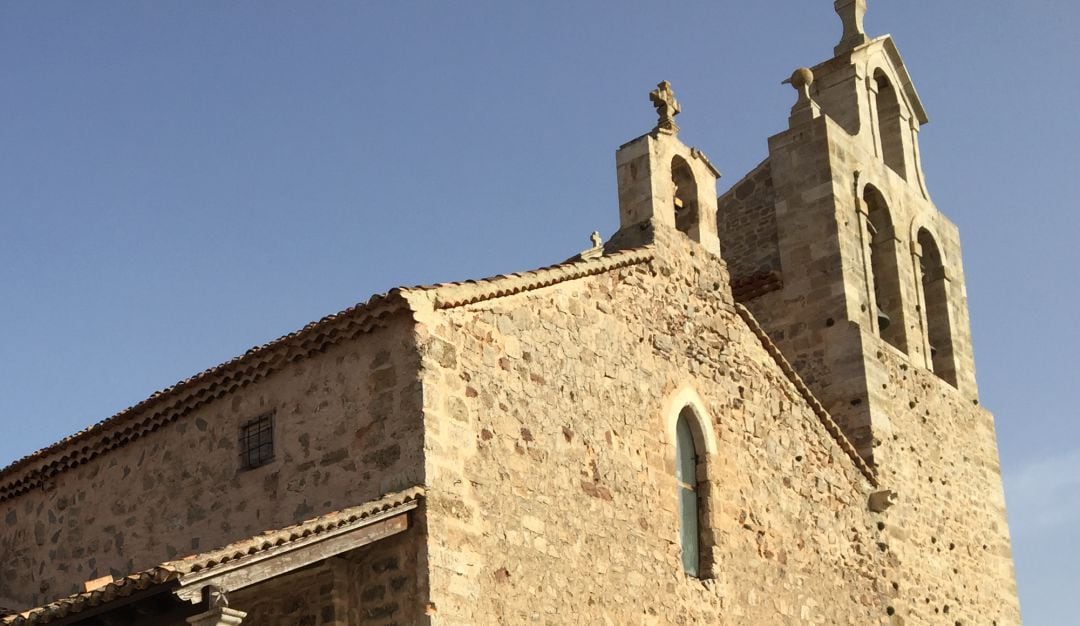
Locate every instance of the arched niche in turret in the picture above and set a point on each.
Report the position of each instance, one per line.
(890, 123)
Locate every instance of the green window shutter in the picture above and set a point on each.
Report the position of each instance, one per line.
(686, 475)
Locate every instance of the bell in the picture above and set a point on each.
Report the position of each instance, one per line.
(883, 320)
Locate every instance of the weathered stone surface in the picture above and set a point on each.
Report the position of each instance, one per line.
(602, 421)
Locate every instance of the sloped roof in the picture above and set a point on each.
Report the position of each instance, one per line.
(206, 562)
(450, 295)
(169, 404)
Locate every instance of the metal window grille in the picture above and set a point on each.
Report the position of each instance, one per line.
(257, 442)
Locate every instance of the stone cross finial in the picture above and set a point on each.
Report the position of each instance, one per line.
(667, 107)
(597, 249)
(852, 13)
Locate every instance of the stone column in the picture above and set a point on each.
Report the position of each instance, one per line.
(221, 616)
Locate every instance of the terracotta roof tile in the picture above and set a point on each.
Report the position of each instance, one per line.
(174, 570)
(450, 295)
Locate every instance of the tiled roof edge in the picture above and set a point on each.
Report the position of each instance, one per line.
(172, 571)
(166, 406)
(315, 526)
(815, 405)
(80, 602)
(451, 295)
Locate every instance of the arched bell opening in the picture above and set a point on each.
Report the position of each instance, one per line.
(685, 197)
(936, 301)
(884, 274)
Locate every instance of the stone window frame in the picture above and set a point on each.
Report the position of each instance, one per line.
(687, 403)
(256, 441)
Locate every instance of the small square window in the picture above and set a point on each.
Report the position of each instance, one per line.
(257, 442)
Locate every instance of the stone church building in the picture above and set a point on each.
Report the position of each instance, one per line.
(758, 408)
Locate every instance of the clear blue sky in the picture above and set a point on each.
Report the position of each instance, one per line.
(180, 181)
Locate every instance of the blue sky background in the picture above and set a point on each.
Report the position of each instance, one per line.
(180, 181)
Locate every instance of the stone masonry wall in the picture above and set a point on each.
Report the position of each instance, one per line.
(347, 429)
(814, 317)
(551, 495)
(949, 528)
(747, 219)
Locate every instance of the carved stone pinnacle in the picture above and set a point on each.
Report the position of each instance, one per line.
(852, 13)
(805, 108)
(667, 107)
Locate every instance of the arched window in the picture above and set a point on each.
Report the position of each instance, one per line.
(690, 492)
(890, 124)
(686, 200)
(935, 297)
(884, 276)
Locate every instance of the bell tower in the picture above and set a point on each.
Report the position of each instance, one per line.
(835, 245)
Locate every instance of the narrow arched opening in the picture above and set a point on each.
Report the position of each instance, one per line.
(884, 275)
(685, 197)
(693, 505)
(936, 300)
(890, 124)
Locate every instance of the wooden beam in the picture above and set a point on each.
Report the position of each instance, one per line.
(292, 556)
